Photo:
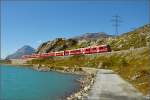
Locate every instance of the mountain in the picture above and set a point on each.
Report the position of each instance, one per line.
(137, 38)
(92, 36)
(25, 50)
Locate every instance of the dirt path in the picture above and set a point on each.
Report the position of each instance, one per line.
(109, 86)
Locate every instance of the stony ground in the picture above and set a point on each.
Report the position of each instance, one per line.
(109, 86)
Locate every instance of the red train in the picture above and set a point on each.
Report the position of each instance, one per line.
(88, 50)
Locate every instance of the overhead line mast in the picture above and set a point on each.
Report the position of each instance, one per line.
(116, 23)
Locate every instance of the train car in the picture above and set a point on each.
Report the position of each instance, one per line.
(93, 50)
(75, 52)
(108, 48)
(66, 52)
(35, 56)
(51, 54)
(96, 49)
(44, 55)
(24, 56)
(32, 56)
(104, 48)
(86, 51)
(38, 55)
(27, 56)
(60, 53)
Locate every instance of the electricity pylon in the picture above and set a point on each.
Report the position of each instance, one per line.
(116, 23)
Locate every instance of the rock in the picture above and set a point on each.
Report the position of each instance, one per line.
(135, 77)
(79, 97)
(56, 45)
(85, 88)
(100, 65)
(148, 40)
(147, 97)
(42, 65)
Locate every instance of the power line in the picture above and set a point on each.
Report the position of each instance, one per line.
(116, 23)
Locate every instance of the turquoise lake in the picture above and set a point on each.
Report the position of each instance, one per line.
(23, 83)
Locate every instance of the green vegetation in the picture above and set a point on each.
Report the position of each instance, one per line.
(5, 62)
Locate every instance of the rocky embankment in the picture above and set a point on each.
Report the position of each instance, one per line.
(86, 84)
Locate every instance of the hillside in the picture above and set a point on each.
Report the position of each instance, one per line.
(140, 37)
(56, 45)
(135, 39)
(25, 50)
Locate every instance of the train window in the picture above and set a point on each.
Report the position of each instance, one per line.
(94, 48)
(78, 50)
(87, 49)
(100, 48)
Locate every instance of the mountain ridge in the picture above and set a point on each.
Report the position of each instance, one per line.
(25, 50)
(92, 36)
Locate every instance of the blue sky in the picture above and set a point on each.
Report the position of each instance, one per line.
(33, 22)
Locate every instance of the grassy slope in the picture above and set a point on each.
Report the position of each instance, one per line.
(133, 39)
(5, 62)
(131, 65)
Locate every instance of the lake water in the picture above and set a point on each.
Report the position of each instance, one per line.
(22, 83)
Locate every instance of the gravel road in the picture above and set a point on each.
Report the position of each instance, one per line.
(109, 86)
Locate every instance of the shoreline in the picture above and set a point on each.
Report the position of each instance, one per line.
(86, 81)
